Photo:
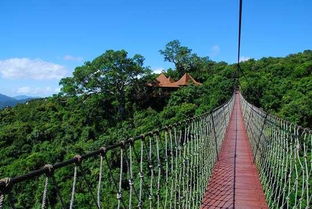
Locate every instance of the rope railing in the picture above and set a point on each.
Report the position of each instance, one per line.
(165, 168)
(283, 154)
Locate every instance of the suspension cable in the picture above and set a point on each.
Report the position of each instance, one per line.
(239, 30)
(239, 69)
(236, 74)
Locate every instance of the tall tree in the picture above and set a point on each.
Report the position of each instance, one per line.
(178, 55)
(110, 74)
(182, 57)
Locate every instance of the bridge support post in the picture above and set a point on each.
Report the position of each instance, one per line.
(261, 133)
(215, 135)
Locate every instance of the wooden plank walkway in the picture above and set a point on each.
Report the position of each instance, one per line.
(235, 182)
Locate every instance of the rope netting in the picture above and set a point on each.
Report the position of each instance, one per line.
(166, 168)
(283, 154)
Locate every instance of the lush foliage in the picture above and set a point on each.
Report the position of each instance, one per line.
(182, 57)
(282, 86)
(107, 99)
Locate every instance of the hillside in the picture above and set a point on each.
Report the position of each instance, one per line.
(87, 115)
(281, 86)
(6, 101)
(22, 97)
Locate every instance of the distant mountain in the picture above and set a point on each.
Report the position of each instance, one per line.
(22, 97)
(6, 98)
(12, 101)
(7, 101)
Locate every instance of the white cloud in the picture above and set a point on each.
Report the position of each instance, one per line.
(158, 70)
(215, 50)
(72, 58)
(43, 91)
(243, 59)
(25, 68)
(24, 90)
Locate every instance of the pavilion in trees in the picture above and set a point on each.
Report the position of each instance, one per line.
(167, 82)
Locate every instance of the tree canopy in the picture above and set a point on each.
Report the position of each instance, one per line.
(107, 99)
(109, 74)
(182, 57)
(281, 86)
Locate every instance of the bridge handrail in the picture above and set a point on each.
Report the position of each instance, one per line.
(206, 124)
(262, 113)
(282, 152)
(103, 149)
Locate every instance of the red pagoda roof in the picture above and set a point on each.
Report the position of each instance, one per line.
(164, 82)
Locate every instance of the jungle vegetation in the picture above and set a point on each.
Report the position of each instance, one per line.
(106, 100)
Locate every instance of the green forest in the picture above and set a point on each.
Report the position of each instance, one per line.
(107, 100)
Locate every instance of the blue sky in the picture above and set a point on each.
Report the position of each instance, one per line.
(42, 41)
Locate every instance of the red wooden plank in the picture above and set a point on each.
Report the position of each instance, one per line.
(235, 181)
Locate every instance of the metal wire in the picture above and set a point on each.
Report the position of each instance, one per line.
(283, 155)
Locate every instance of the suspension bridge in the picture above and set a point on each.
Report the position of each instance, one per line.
(236, 156)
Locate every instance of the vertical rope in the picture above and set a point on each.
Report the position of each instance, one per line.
(151, 168)
(119, 193)
(167, 168)
(44, 195)
(307, 174)
(159, 171)
(176, 169)
(193, 173)
(72, 199)
(171, 170)
(283, 155)
(114, 181)
(141, 175)
(130, 171)
(100, 183)
(1, 200)
(179, 168)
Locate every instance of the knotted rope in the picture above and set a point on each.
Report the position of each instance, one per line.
(166, 168)
(283, 155)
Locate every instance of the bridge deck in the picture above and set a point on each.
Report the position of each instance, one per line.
(235, 181)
